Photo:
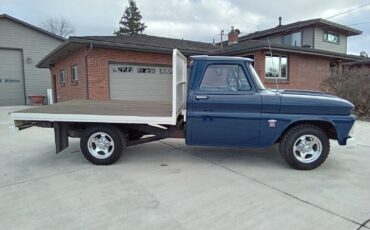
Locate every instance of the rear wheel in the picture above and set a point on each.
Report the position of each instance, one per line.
(102, 145)
(305, 147)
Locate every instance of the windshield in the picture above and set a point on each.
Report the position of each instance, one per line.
(256, 78)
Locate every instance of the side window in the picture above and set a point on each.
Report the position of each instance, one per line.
(331, 37)
(62, 79)
(224, 78)
(74, 73)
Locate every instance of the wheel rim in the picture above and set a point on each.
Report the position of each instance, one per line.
(100, 145)
(307, 148)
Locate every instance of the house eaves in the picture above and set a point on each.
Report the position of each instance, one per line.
(256, 45)
(166, 46)
(302, 24)
(75, 43)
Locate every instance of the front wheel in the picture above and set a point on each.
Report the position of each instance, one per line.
(102, 145)
(305, 147)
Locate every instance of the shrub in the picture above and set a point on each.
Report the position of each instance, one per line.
(352, 84)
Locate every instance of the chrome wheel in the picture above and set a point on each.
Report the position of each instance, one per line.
(307, 148)
(100, 145)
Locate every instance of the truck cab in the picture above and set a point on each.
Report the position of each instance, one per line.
(227, 105)
(223, 102)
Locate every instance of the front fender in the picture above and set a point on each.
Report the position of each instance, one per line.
(270, 134)
(343, 126)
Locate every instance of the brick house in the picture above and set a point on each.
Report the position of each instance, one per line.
(298, 55)
(94, 67)
(303, 53)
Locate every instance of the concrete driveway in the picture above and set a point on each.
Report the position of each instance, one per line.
(167, 185)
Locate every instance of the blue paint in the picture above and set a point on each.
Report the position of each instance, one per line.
(240, 118)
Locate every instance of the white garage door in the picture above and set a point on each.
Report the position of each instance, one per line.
(11, 78)
(140, 82)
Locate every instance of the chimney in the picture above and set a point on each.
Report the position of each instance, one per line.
(233, 36)
(280, 18)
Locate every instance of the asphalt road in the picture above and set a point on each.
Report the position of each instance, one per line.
(168, 185)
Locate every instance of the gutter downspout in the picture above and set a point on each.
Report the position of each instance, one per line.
(86, 70)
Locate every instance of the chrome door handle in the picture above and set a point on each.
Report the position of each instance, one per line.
(201, 97)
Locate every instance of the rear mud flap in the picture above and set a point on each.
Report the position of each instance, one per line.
(61, 136)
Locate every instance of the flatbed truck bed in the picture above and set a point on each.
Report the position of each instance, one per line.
(154, 120)
(115, 111)
(134, 112)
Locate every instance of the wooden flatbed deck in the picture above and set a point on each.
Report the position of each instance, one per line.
(100, 111)
(115, 108)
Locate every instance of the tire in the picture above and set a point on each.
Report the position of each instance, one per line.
(305, 147)
(102, 145)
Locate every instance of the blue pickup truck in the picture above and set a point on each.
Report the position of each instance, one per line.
(216, 101)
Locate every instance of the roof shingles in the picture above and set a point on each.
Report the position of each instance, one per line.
(147, 43)
(302, 24)
(154, 42)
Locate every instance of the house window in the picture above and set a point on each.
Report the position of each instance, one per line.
(62, 79)
(331, 37)
(293, 39)
(74, 73)
(276, 66)
(224, 78)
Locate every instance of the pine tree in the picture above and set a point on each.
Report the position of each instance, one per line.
(130, 22)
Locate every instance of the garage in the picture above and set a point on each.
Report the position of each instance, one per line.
(22, 46)
(140, 82)
(137, 67)
(11, 78)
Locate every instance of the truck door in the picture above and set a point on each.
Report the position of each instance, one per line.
(224, 107)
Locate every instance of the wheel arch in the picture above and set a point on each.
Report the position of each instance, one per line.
(327, 126)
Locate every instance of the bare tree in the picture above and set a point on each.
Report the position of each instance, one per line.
(59, 26)
(352, 84)
(364, 54)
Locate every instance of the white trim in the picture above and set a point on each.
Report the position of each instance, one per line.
(327, 37)
(280, 56)
(179, 62)
(49, 93)
(183, 112)
(91, 118)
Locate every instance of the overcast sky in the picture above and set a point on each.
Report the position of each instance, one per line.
(200, 20)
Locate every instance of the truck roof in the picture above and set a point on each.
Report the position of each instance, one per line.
(220, 58)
